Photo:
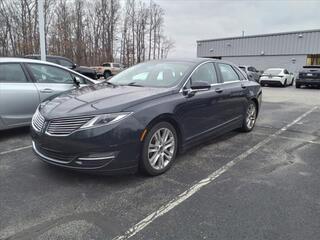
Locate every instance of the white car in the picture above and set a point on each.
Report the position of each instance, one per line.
(277, 76)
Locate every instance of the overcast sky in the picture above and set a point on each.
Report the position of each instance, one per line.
(187, 21)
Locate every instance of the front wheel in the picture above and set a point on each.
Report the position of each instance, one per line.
(250, 118)
(159, 149)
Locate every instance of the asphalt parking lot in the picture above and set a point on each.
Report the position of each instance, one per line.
(258, 185)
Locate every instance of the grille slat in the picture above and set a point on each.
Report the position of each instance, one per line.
(38, 121)
(66, 126)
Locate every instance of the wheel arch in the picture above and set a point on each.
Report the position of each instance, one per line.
(255, 100)
(167, 117)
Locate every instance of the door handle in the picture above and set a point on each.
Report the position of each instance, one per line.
(46, 90)
(219, 90)
(243, 86)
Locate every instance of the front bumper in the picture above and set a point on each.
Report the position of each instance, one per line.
(108, 149)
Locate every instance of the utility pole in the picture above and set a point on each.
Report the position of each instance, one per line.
(41, 31)
(242, 33)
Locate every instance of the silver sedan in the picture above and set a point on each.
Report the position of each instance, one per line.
(25, 83)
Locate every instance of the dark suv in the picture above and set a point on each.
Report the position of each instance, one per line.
(66, 62)
(309, 76)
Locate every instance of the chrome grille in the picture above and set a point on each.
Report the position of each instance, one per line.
(65, 126)
(37, 121)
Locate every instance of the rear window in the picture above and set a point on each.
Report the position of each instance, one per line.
(106, 65)
(312, 66)
(272, 72)
(12, 73)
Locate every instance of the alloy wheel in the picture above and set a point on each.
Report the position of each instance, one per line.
(251, 116)
(161, 148)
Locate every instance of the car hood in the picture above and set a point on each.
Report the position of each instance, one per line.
(98, 99)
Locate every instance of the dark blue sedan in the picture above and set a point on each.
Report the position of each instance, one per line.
(144, 116)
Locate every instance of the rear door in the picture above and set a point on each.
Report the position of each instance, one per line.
(19, 96)
(234, 92)
(50, 80)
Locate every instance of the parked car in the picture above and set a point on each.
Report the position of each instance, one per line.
(144, 116)
(277, 76)
(108, 69)
(252, 73)
(24, 83)
(66, 62)
(309, 76)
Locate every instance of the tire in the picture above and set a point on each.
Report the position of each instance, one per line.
(106, 74)
(160, 135)
(285, 83)
(298, 85)
(250, 117)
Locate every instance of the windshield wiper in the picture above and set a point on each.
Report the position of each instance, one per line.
(134, 84)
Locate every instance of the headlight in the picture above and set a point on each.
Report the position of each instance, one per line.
(106, 119)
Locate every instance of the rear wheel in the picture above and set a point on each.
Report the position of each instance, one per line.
(298, 85)
(250, 118)
(159, 149)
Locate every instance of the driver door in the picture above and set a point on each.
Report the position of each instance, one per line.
(202, 113)
(50, 80)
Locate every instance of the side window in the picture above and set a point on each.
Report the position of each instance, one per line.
(66, 63)
(49, 74)
(205, 73)
(52, 60)
(241, 74)
(106, 65)
(286, 71)
(251, 69)
(12, 73)
(228, 73)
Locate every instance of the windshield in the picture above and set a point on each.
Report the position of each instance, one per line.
(272, 72)
(153, 74)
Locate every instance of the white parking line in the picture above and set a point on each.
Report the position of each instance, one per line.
(195, 188)
(291, 138)
(15, 150)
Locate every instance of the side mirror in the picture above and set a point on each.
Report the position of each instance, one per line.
(196, 87)
(200, 86)
(76, 81)
(74, 66)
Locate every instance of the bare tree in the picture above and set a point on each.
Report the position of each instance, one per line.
(89, 32)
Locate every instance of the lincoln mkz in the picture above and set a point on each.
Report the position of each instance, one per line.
(144, 116)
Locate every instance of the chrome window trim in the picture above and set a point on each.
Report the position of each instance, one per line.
(213, 84)
(185, 83)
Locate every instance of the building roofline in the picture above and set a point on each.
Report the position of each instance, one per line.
(259, 35)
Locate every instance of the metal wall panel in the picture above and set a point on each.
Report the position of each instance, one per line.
(264, 62)
(271, 44)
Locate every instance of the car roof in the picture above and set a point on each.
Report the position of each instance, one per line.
(48, 56)
(28, 60)
(275, 69)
